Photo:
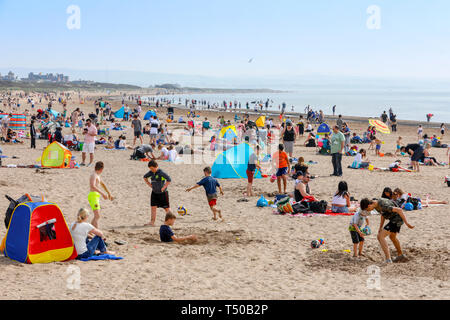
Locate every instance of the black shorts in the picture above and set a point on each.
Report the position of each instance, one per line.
(137, 134)
(392, 227)
(417, 154)
(356, 238)
(160, 200)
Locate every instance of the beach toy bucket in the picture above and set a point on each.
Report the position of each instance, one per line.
(371, 167)
(273, 178)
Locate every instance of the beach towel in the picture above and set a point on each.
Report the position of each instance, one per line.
(102, 257)
(328, 213)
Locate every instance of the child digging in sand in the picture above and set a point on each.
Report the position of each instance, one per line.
(94, 195)
(210, 184)
(166, 234)
(159, 183)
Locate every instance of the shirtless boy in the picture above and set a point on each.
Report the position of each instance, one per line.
(95, 192)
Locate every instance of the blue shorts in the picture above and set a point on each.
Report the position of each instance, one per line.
(378, 147)
(339, 209)
(281, 171)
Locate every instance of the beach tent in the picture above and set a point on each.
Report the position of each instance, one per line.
(120, 114)
(18, 122)
(149, 114)
(54, 113)
(56, 156)
(228, 133)
(232, 164)
(260, 123)
(323, 129)
(38, 233)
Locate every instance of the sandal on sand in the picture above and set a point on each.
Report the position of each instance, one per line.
(242, 200)
(120, 242)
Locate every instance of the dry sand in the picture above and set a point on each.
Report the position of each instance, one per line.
(254, 254)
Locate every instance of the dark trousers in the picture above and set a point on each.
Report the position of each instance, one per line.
(33, 143)
(336, 159)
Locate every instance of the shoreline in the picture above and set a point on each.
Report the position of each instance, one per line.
(295, 115)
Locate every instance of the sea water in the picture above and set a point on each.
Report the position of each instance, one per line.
(408, 102)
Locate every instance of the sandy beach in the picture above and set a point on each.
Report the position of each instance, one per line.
(254, 253)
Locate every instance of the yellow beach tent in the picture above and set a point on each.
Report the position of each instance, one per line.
(56, 156)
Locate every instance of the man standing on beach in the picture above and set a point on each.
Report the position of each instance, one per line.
(334, 109)
(339, 122)
(89, 142)
(337, 147)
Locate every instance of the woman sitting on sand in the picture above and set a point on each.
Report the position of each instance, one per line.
(310, 141)
(387, 193)
(427, 159)
(11, 137)
(358, 161)
(80, 230)
(341, 200)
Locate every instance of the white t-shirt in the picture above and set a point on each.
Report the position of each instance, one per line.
(358, 158)
(154, 124)
(165, 152)
(79, 235)
(172, 155)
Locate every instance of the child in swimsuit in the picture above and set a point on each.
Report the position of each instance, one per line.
(94, 195)
(399, 145)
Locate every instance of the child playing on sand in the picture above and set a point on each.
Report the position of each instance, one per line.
(420, 132)
(94, 195)
(356, 223)
(389, 211)
(166, 234)
(210, 184)
(378, 143)
(159, 183)
(399, 146)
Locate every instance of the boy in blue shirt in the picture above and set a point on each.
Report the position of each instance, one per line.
(210, 184)
(166, 234)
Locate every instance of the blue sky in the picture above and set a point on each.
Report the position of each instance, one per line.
(217, 38)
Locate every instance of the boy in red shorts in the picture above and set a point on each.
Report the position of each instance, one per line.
(210, 184)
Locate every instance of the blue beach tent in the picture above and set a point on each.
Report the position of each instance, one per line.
(149, 114)
(232, 164)
(120, 114)
(323, 129)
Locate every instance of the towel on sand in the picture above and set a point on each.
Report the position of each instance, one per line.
(102, 257)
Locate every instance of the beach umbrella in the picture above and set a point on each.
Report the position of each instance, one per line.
(380, 126)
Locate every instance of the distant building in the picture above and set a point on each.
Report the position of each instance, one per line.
(9, 77)
(49, 77)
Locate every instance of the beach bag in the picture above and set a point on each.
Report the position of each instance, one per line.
(301, 207)
(318, 206)
(262, 202)
(415, 202)
(14, 203)
(284, 205)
